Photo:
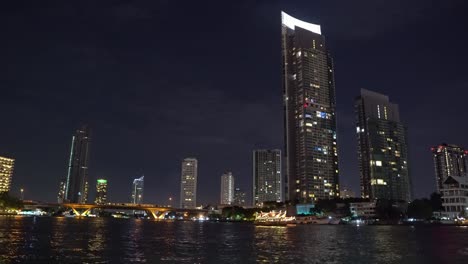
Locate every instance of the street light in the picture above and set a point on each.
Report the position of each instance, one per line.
(22, 191)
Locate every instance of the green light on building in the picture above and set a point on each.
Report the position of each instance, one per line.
(101, 181)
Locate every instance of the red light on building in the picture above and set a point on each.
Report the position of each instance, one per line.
(305, 105)
(432, 149)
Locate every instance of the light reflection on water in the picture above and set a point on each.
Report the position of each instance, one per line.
(103, 240)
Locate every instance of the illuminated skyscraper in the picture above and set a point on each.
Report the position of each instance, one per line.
(267, 184)
(188, 183)
(101, 191)
(227, 188)
(382, 148)
(137, 190)
(449, 160)
(6, 173)
(309, 112)
(76, 187)
(61, 192)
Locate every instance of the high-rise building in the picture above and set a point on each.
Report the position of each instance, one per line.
(101, 191)
(309, 112)
(449, 160)
(239, 197)
(267, 182)
(6, 173)
(61, 192)
(382, 148)
(188, 183)
(137, 190)
(76, 187)
(346, 192)
(227, 188)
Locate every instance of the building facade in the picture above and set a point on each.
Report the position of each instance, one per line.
(449, 160)
(227, 189)
(309, 110)
(76, 186)
(382, 148)
(363, 209)
(62, 190)
(454, 193)
(188, 183)
(267, 180)
(239, 197)
(346, 192)
(138, 188)
(101, 191)
(7, 166)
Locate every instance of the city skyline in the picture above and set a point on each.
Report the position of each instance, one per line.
(134, 111)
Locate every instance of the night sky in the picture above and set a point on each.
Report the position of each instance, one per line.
(159, 81)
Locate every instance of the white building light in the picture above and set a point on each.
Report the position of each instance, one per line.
(292, 22)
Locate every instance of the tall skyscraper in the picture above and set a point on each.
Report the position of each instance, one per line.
(227, 188)
(101, 191)
(309, 112)
(6, 173)
(449, 160)
(382, 148)
(188, 183)
(267, 182)
(62, 190)
(239, 197)
(137, 190)
(76, 188)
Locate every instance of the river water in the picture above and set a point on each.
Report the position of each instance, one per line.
(107, 240)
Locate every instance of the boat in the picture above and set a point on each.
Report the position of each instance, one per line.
(274, 218)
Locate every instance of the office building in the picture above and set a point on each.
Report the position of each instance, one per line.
(137, 190)
(267, 181)
(227, 189)
(6, 173)
(449, 160)
(363, 209)
(454, 193)
(76, 187)
(382, 148)
(101, 191)
(346, 192)
(62, 190)
(309, 113)
(239, 197)
(188, 183)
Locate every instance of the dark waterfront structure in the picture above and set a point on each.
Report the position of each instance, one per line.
(449, 160)
(101, 191)
(309, 106)
(382, 148)
(188, 183)
(137, 190)
(76, 186)
(267, 184)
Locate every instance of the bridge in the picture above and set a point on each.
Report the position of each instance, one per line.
(152, 210)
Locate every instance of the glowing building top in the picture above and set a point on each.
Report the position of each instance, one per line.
(292, 22)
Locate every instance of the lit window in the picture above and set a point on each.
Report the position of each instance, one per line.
(378, 163)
